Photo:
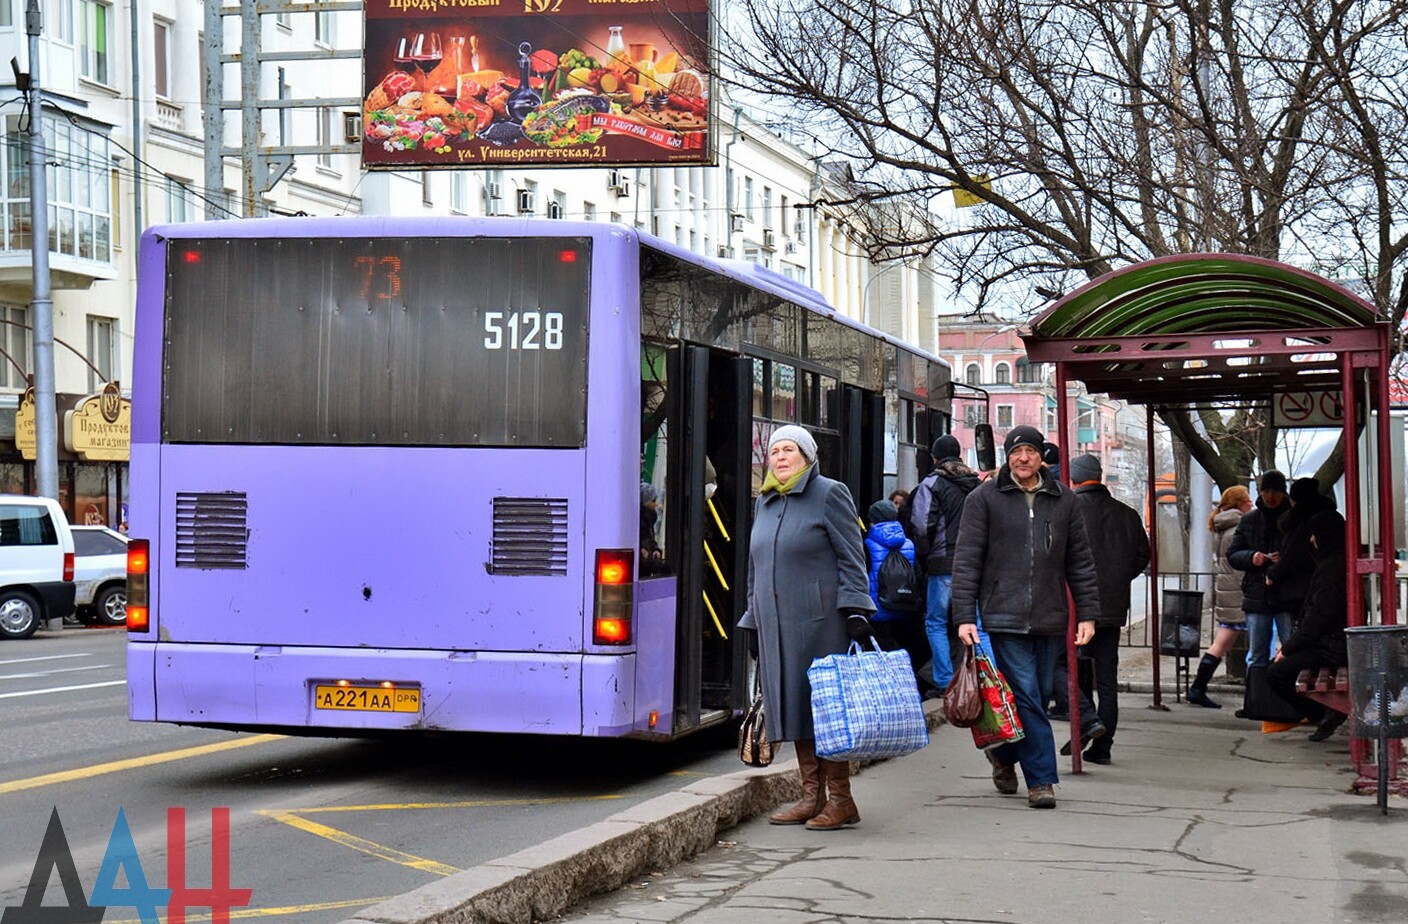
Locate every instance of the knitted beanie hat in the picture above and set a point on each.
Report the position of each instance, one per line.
(798, 435)
(946, 447)
(1086, 468)
(1023, 436)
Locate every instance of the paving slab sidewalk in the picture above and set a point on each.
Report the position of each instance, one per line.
(1200, 816)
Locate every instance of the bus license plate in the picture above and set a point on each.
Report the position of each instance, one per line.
(366, 699)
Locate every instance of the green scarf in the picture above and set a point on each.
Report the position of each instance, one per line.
(770, 483)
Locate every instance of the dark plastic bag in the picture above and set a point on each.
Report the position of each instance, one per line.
(963, 700)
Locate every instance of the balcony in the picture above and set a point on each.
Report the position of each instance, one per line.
(169, 115)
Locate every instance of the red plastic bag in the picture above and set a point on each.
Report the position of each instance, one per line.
(998, 723)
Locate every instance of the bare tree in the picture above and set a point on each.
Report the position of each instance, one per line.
(1102, 132)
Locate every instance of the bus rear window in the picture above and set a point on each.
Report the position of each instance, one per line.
(406, 342)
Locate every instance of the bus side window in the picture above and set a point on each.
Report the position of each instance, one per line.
(654, 456)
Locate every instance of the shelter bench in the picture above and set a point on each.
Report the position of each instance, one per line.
(1328, 686)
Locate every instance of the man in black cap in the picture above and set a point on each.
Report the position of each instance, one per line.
(1256, 546)
(935, 510)
(1021, 544)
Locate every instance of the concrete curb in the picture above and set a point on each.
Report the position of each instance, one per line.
(544, 881)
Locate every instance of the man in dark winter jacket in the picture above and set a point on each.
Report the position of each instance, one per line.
(1256, 546)
(1318, 639)
(1021, 544)
(935, 510)
(1120, 548)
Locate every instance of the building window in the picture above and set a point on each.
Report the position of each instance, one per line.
(15, 339)
(767, 206)
(1004, 417)
(1002, 375)
(93, 50)
(325, 139)
(80, 202)
(748, 197)
(588, 211)
(557, 208)
(459, 192)
(58, 20)
(178, 200)
(102, 343)
(974, 414)
(325, 28)
(973, 375)
(425, 198)
(161, 59)
(1028, 373)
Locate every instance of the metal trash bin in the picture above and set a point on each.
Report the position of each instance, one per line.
(1378, 681)
(1181, 623)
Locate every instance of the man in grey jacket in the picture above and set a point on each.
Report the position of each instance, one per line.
(1022, 542)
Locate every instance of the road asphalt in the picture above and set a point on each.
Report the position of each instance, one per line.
(1200, 815)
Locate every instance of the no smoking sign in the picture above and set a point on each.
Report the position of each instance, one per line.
(1307, 409)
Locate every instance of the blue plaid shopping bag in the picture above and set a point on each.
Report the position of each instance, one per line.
(865, 705)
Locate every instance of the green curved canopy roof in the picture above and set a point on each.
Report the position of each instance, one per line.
(1203, 293)
(1205, 327)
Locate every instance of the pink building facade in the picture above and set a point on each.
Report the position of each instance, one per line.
(1005, 390)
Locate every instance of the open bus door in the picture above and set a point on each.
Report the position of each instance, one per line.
(709, 415)
(862, 426)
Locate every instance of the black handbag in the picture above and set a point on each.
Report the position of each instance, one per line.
(1262, 702)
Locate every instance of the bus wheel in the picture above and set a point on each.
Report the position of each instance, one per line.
(19, 614)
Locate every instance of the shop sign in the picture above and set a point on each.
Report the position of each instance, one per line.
(25, 426)
(494, 84)
(99, 428)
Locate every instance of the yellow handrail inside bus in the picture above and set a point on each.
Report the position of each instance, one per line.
(715, 565)
(714, 616)
(717, 520)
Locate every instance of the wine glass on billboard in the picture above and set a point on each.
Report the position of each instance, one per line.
(426, 52)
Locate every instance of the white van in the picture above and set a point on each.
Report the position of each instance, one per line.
(36, 564)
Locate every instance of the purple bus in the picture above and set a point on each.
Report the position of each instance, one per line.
(469, 474)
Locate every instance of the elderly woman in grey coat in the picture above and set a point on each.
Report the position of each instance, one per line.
(807, 593)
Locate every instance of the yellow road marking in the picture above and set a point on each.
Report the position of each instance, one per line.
(401, 806)
(239, 914)
(360, 844)
(117, 766)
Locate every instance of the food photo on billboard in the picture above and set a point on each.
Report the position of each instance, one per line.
(543, 83)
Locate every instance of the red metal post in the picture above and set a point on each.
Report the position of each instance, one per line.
(1387, 540)
(1153, 551)
(1063, 438)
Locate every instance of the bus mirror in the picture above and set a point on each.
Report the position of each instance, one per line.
(983, 446)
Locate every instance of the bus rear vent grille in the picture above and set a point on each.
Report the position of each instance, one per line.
(530, 536)
(212, 530)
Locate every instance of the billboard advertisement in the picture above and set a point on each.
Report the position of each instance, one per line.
(545, 83)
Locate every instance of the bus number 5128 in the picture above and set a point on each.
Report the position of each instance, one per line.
(523, 330)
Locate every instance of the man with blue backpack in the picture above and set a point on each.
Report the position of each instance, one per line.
(935, 510)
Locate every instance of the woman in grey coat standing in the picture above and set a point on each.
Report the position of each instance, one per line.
(807, 593)
(1226, 593)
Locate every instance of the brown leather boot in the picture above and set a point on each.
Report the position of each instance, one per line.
(840, 809)
(813, 788)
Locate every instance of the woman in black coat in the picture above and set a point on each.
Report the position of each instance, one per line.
(1318, 639)
(806, 581)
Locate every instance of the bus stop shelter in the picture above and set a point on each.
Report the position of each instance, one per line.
(1200, 330)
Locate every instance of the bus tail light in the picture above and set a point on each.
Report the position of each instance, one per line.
(614, 598)
(138, 562)
(68, 566)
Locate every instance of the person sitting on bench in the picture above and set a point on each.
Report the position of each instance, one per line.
(1318, 639)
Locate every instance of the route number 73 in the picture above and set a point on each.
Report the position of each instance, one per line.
(523, 330)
